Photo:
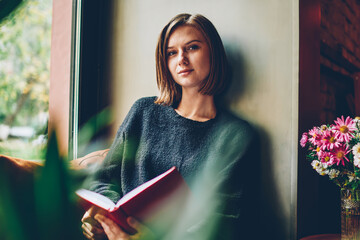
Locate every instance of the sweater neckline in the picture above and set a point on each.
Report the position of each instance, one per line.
(187, 121)
(177, 112)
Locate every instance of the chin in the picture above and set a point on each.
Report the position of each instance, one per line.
(184, 83)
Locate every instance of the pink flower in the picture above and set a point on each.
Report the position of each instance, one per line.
(318, 151)
(304, 140)
(328, 140)
(327, 158)
(315, 136)
(339, 154)
(344, 129)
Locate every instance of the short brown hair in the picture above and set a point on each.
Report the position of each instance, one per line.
(170, 91)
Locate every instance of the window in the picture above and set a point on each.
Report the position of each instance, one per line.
(91, 81)
(25, 39)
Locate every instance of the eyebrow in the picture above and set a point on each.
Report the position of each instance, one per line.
(195, 40)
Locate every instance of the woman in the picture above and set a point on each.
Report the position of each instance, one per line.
(183, 127)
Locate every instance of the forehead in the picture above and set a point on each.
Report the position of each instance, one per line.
(184, 34)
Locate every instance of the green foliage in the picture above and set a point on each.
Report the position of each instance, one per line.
(25, 61)
(41, 206)
(23, 149)
(53, 190)
(89, 130)
(7, 7)
(11, 227)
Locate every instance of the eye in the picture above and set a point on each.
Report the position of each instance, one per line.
(171, 53)
(193, 47)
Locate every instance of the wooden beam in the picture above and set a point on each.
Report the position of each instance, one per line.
(60, 63)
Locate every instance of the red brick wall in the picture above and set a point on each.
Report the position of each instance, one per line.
(340, 25)
(340, 56)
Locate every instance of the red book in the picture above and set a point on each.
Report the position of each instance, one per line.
(156, 203)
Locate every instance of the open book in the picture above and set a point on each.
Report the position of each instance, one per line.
(156, 203)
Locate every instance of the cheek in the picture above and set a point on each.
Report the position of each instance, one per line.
(205, 61)
(172, 64)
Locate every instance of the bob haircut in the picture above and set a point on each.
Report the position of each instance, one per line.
(215, 84)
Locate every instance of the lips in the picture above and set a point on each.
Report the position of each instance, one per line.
(185, 72)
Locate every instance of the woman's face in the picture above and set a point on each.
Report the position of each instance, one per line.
(188, 57)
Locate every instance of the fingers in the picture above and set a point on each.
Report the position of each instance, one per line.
(91, 228)
(90, 223)
(89, 217)
(92, 232)
(111, 229)
(115, 232)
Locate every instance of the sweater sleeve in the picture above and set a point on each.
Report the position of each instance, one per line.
(106, 180)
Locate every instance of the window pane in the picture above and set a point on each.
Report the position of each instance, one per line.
(24, 79)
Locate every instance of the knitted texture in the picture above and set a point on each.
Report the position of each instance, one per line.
(212, 156)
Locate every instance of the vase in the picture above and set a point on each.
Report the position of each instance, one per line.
(350, 214)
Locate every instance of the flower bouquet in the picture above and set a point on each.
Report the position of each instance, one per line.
(334, 150)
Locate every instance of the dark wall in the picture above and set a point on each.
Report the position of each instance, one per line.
(309, 86)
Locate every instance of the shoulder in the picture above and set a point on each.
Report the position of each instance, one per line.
(144, 102)
(142, 106)
(146, 108)
(135, 116)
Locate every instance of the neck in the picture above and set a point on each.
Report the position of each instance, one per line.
(196, 106)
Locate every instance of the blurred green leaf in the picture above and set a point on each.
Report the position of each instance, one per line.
(10, 223)
(39, 205)
(94, 125)
(89, 130)
(56, 213)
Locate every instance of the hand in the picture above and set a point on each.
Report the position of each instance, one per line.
(114, 232)
(91, 228)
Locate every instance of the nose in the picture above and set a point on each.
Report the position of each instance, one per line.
(182, 59)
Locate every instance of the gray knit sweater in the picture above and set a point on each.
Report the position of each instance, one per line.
(214, 157)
